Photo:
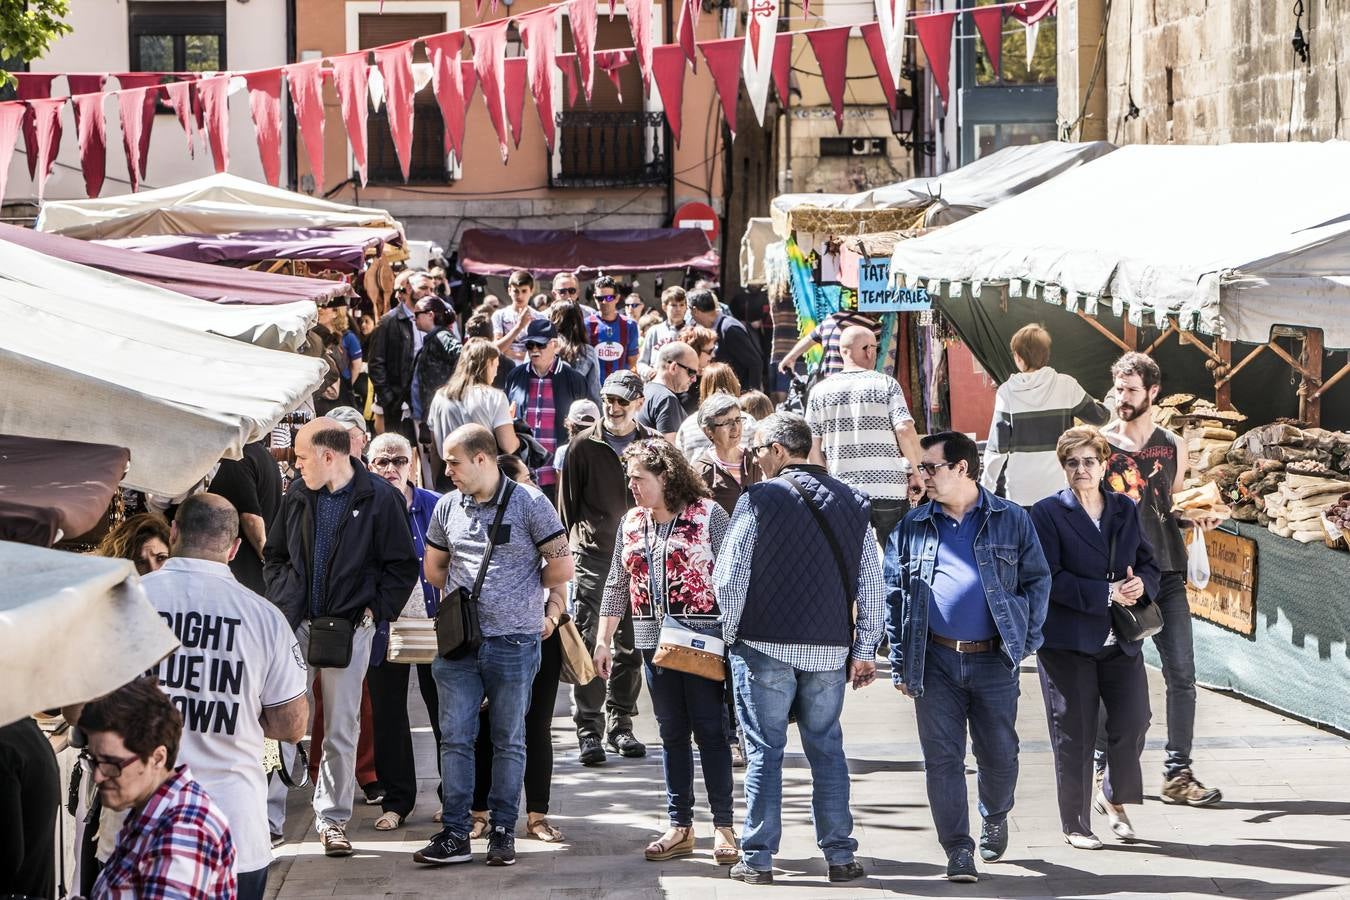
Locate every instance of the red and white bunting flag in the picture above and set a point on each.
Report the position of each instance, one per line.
(516, 73)
(640, 23)
(351, 76)
(447, 81)
(539, 32)
(935, 36)
(395, 65)
(989, 23)
(724, 62)
(47, 133)
(179, 99)
(611, 62)
(757, 58)
(831, 48)
(11, 122)
(668, 65)
(32, 86)
(688, 27)
(891, 22)
(306, 86)
(782, 67)
(489, 45)
(91, 133)
(137, 120)
(567, 64)
(876, 48)
(214, 96)
(264, 105)
(581, 13)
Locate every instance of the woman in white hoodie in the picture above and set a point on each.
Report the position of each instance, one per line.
(1032, 409)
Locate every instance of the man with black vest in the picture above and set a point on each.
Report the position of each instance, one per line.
(799, 555)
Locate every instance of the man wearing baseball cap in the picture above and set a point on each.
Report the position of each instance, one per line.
(592, 498)
(541, 390)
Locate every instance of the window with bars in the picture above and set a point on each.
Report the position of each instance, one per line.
(429, 163)
(177, 36)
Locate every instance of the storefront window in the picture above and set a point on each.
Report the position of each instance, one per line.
(990, 137)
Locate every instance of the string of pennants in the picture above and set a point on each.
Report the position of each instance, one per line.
(199, 101)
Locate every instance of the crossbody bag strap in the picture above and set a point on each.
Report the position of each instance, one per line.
(658, 608)
(829, 535)
(492, 537)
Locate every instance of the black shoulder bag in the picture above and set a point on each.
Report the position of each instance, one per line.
(829, 536)
(1131, 623)
(458, 632)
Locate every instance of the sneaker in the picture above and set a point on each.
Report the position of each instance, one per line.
(626, 745)
(961, 866)
(335, 842)
(1083, 841)
(993, 841)
(849, 871)
(445, 848)
(374, 793)
(737, 756)
(501, 847)
(742, 872)
(592, 753)
(1183, 788)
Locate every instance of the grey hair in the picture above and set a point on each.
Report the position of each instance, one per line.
(716, 405)
(390, 440)
(787, 429)
(671, 353)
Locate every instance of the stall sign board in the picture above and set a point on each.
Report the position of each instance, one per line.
(1229, 600)
(876, 294)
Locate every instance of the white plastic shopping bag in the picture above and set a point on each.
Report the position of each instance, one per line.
(1197, 559)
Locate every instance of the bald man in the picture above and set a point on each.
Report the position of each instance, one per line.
(863, 433)
(339, 557)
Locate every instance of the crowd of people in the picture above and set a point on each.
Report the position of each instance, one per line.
(548, 465)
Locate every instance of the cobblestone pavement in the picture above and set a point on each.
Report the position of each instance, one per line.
(1283, 829)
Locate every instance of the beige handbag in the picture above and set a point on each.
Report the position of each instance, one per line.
(679, 647)
(412, 636)
(577, 665)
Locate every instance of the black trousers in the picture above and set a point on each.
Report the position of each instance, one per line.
(886, 514)
(538, 736)
(388, 686)
(602, 709)
(1074, 685)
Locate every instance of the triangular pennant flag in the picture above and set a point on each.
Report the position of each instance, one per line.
(831, 48)
(1033, 30)
(32, 86)
(876, 48)
(213, 94)
(640, 24)
(264, 105)
(724, 62)
(539, 32)
(351, 77)
(489, 43)
(47, 132)
(581, 13)
(179, 99)
(91, 133)
(469, 76)
(891, 24)
(395, 65)
(515, 72)
(688, 28)
(447, 81)
(611, 62)
(782, 67)
(306, 86)
(668, 65)
(11, 120)
(140, 120)
(1033, 11)
(989, 23)
(757, 60)
(567, 64)
(935, 36)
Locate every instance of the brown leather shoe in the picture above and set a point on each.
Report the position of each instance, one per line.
(335, 842)
(1185, 790)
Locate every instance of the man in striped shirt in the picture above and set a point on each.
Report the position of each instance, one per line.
(829, 334)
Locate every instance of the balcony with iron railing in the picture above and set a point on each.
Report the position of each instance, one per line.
(597, 148)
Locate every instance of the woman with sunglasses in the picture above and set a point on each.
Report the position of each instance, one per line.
(664, 554)
(1099, 557)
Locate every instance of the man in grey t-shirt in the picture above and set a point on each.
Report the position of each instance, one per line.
(530, 554)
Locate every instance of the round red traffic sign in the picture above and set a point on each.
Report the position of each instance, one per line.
(698, 215)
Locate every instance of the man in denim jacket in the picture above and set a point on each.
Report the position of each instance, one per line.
(968, 588)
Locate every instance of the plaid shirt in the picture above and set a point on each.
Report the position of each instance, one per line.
(178, 846)
(541, 416)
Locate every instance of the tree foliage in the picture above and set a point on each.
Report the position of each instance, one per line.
(27, 28)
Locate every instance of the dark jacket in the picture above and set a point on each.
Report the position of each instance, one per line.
(738, 349)
(1080, 611)
(725, 489)
(594, 495)
(373, 563)
(569, 385)
(391, 363)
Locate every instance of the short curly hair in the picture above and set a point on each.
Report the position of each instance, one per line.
(659, 456)
(1079, 437)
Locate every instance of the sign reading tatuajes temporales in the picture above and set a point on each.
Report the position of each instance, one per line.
(876, 294)
(1229, 600)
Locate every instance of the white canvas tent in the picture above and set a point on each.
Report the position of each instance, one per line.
(177, 398)
(1167, 230)
(72, 628)
(217, 204)
(278, 327)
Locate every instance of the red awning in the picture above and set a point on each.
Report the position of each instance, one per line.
(490, 251)
(48, 486)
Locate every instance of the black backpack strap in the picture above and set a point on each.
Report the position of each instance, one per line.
(829, 536)
(492, 535)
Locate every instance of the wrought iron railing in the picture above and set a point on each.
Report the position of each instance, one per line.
(610, 149)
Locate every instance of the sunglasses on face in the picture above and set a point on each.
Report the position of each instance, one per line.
(386, 461)
(571, 292)
(693, 373)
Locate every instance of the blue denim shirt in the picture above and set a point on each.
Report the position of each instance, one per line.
(1012, 567)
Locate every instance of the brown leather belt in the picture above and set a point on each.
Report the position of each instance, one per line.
(988, 646)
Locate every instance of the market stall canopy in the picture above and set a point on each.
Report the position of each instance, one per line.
(217, 204)
(944, 199)
(179, 399)
(336, 249)
(490, 251)
(71, 285)
(73, 628)
(1166, 230)
(55, 489)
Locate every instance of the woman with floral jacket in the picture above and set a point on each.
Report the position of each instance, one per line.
(663, 565)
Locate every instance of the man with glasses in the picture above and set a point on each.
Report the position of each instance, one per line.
(863, 433)
(592, 499)
(511, 321)
(542, 391)
(393, 349)
(968, 589)
(676, 370)
(614, 336)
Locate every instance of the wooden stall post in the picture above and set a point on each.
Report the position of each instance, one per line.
(1223, 391)
(1310, 398)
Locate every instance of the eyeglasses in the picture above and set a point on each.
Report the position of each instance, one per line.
(755, 448)
(607, 298)
(425, 312)
(571, 292)
(384, 462)
(693, 373)
(535, 345)
(1085, 462)
(610, 400)
(108, 768)
(728, 423)
(931, 469)
(637, 305)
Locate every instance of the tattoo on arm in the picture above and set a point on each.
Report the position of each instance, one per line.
(557, 548)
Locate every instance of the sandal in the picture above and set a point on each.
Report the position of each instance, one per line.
(544, 830)
(725, 849)
(389, 821)
(480, 826)
(676, 842)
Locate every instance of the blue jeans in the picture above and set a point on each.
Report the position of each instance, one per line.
(686, 704)
(979, 689)
(503, 671)
(766, 690)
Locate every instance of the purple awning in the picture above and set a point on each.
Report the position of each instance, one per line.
(50, 488)
(219, 285)
(339, 249)
(488, 251)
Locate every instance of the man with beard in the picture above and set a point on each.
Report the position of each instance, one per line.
(1146, 464)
